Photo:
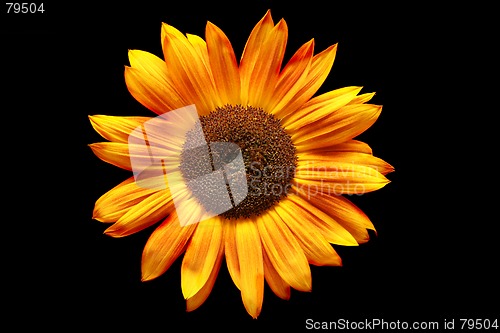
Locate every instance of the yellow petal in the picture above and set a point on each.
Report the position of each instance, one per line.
(119, 200)
(231, 251)
(115, 153)
(148, 82)
(115, 128)
(200, 46)
(360, 159)
(144, 214)
(363, 98)
(201, 256)
(251, 265)
(168, 29)
(197, 300)
(164, 246)
(274, 280)
(320, 107)
(284, 251)
(347, 214)
(189, 74)
(318, 72)
(302, 207)
(342, 125)
(338, 178)
(250, 55)
(293, 77)
(224, 65)
(316, 248)
(352, 145)
(149, 63)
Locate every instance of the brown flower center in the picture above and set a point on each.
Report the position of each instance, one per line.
(252, 151)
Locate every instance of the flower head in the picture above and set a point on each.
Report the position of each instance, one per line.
(242, 162)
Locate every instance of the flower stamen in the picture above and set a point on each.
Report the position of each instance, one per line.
(268, 154)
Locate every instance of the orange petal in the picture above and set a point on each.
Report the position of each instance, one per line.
(302, 207)
(347, 214)
(144, 214)
(200, 46)
(115, 128)
(352, 145)
(250, 56)
(115, 153)
(342, 125)
(284, 251)
(148, 82)
(189, 73)
(320, 107)
(316, 248)
(168, 29)
(164, 246)
(232, 261)
(224, 65)
(363, 98)
(152, 94)
(338, 177)
(251, 266)
(201, 256)
(320, 68)
(360, 159)
(119, 200)
(197, 300)
(264, 76)
(274, 280)
(292, 79)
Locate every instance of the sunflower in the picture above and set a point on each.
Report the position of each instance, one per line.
(295, 151)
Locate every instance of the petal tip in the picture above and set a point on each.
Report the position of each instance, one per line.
(267, 17)
(145, 278)
(115, 233)
(210, 25)
(390, 168)
(94, 121)
(148, 275)
(333, 48)
(282, 24)
(96, 216)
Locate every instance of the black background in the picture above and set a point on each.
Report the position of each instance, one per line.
(436, 252)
